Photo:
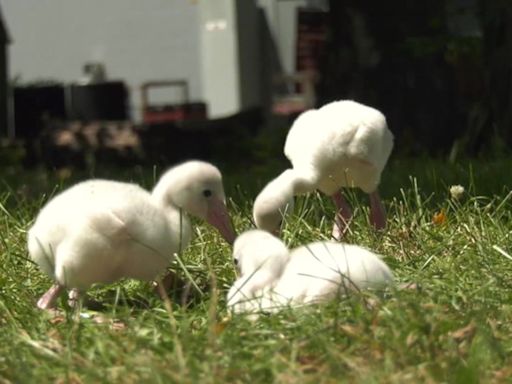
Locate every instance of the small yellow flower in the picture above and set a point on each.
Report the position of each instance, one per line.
(439, 218)
(64, 173)
(456, 192)
(219, 326)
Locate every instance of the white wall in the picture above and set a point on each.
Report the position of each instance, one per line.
(230, 52)
(220, 60)
(138, 40)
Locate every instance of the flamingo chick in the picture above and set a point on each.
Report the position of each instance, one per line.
(260, 258)
(308, 274)
(342, 144)
(99, 231)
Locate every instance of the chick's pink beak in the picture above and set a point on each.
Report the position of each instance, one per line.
(218, 217)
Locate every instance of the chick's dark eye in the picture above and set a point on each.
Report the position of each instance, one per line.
(235, 261)
(207, 193)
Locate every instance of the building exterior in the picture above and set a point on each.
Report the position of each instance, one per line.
(136, 41)
(216, 46)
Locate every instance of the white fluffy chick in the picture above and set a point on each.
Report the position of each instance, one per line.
(311, 273)
(260, 258)
(342, 144)
(99, 231)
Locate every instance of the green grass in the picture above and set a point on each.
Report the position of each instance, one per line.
(455, 326)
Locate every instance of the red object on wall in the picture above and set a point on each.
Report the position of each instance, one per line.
(311, 38)
(185, 111)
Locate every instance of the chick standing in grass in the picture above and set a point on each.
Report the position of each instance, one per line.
(100, 231)
(273, 277)
(342, 144)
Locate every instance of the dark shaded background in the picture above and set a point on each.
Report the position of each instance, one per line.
(444, 90)
(443, 82)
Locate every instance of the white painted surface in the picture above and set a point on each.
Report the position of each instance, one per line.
(219, 65)
(136, 40)
(143, 40)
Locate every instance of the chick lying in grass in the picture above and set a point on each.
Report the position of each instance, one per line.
(274, 277)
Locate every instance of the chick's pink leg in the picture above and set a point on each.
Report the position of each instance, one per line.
(342, 217)
(47, 301)
(377, 211)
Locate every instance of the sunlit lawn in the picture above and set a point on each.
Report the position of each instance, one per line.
(453, 325)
